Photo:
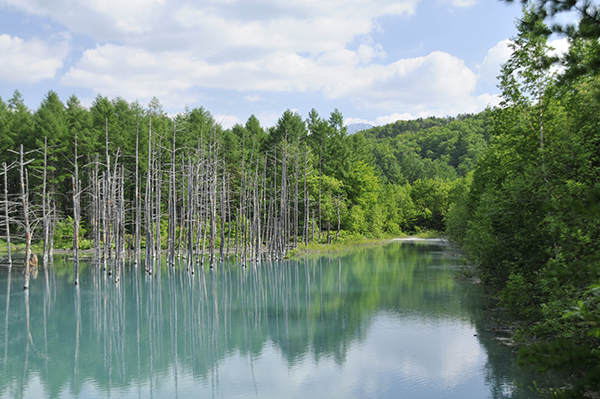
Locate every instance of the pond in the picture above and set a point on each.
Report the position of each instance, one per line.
(379, 322)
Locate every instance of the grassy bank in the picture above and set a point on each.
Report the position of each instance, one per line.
(346, 243)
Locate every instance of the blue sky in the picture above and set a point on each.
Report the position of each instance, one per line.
(376, 61)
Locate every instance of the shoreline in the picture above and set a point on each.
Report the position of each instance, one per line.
(444, 240)
(313, 248)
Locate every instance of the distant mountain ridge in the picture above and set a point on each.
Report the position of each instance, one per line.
(357, 127)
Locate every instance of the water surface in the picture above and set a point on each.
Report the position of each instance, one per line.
(382, 322)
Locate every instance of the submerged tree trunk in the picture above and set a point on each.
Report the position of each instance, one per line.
(76, 212)
(136, 244)
(45, 220)
(25, 201)
(158, 193)
(148, 201)
(76, 227)
(213, 203)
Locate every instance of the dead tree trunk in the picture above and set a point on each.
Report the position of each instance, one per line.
(238, 230)
(136, 245)
(228, 213)
(283, 201)
(148, 200)
(256, 213)
(45, 220)
(265, 220)
(190, 215)
(108, 194)
(296, 196)
(6, 213)
(172, 208)
(120, 222)
(104, 204)
(76, 216)
(337, 234)
(96, 208)
(52, 226)
(320, 182)
(306, 198)
(222, 210)
(25, 201)
(213, 202)
(158, 192)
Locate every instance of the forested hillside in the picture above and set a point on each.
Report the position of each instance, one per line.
(432, 148)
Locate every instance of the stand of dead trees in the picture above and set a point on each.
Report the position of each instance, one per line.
(198, 207)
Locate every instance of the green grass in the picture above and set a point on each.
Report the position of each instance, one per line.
(341, 246)
(20, 246)
(348, 241)
(429, 234)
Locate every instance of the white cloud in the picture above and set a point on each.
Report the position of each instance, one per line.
(253, 98)
(176, 49)
(366, 53)
(215, 27)
(30, 61)
(161, 47)
(491, 100)
(269, 118)
(101, 19)
(381, 120)
(436, 84)
(386, 119)
(349, 121)
(561, 46)
(136, 74)
(438, 77)
(228, 121)
(489, 69)
(440, 80)
(463, 3)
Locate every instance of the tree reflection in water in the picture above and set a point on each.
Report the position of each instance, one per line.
(273, 328)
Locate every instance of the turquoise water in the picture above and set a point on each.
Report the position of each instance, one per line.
(389, 321)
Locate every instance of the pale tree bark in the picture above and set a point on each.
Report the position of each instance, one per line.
(306, 197)
(45, 215)
(148, 201)
(337, 234)
(222, 209)
(320, 182)
(76, 217)
(25, 201)
(136, 245)
(158, 193)
(7, 215)
(296, 196)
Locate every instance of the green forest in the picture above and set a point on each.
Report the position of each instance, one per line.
(530, 218)
(396, 179)
(517, 186)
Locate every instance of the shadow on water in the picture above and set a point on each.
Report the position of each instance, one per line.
(394, 314)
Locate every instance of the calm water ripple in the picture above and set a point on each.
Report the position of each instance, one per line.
(381, 322)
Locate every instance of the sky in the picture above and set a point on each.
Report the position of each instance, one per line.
(376, 61)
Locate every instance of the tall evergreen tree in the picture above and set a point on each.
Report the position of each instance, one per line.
(20, 125)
